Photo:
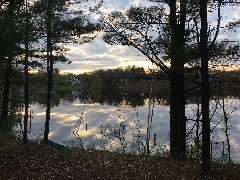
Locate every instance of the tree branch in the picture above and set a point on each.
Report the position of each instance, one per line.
(218, 25)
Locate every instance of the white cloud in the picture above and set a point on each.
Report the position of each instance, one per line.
(99, 55)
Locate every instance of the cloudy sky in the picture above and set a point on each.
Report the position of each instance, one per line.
(99, 55)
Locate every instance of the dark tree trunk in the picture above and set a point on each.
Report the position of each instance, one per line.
(26, 85)
(6, 93)
(226, 118)
(197, 126)
(177, 91)
(204, 87)
(49, 69)
(8, 72)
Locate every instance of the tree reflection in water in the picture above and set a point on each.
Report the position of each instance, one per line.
(108, 112)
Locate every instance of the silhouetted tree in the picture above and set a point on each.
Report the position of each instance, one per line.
(205, 87)
(10, 36)
(177, 91)
(26, 72)
(147, 30)
(57, 23)
(49, 68)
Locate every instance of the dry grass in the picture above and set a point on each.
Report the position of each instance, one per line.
(38, 161)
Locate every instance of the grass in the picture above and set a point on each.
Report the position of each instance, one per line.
(38, 161)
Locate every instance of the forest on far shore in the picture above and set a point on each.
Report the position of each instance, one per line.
(129, 77)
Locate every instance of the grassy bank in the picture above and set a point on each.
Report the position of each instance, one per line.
(38, 161)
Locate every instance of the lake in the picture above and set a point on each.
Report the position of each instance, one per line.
(120, 122)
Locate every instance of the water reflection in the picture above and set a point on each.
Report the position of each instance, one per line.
(112, 98)
(118, 121)
(107, 125)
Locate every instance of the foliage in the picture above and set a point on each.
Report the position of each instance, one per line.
(143, 28)
(147, 29)
(67, 26)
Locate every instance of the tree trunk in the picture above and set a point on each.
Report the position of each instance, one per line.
(177, 91)
(26, 85)
(6, 93)
(8, 73)
(204, 87)
(226, 118)
(49, 69)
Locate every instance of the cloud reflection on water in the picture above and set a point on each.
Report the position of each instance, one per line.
(105, 118)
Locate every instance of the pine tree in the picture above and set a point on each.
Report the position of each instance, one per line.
(55, 25)
(10, 36)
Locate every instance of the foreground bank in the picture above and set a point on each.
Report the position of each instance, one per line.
(39, 161)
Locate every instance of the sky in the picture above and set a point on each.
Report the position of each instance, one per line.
(100, 55)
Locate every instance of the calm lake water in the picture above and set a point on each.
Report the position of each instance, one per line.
(120, 122)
